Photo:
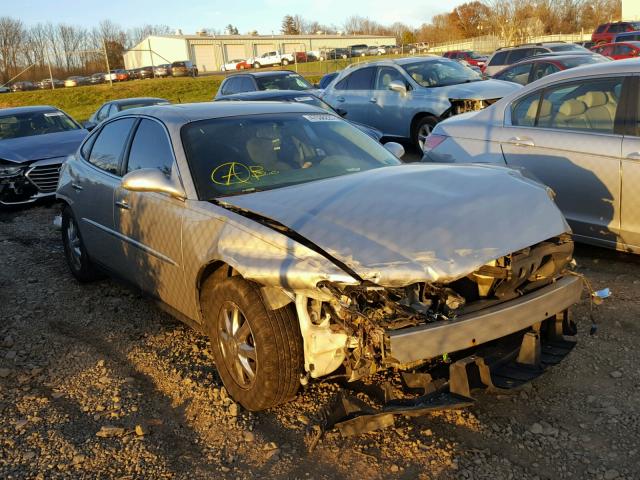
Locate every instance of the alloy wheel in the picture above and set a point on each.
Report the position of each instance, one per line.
(73, 242)
(237, 345)
(423, 133)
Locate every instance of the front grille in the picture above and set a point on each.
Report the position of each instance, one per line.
(45, 177)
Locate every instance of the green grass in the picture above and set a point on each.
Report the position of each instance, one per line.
(81, 102)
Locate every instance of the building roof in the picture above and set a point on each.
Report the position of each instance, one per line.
(268, 37)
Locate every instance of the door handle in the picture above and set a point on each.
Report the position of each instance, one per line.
(634, 156)
(522, 141)
(123, 204)
(77, 187)
(340, 99)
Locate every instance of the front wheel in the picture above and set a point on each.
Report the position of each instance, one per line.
(258, 352)
(422, 130)
(285, 62)
(74, 250)
(256, 65)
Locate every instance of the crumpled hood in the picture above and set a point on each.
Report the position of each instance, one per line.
(41, 147)
(399, 225)
(481, 90)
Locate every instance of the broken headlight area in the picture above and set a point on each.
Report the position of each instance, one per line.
(459, 106)
(14, 186)
(366, 312)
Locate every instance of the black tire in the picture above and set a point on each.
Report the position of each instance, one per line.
(74, 250)
(273, 338)
(426, 123)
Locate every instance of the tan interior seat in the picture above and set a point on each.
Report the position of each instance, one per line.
(572, 115)
(264, 148)
(545, 113)
(601, 110)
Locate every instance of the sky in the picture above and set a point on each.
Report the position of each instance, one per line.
(265, 16)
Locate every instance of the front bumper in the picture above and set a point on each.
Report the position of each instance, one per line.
(38, 180)
(435, 339)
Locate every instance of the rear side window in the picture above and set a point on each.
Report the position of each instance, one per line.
(499, 58)
(150, 148)
(601, 28)
(517, 74)
(230, 86)
(519, 54)
(108, 147)
(359, 80)
(524, 111)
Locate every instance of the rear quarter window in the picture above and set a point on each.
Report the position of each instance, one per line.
(499, 58)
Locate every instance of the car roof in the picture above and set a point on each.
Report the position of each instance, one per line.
(630, 65)
(180, 114)
(33, 109)
(129, 101)
(266, 94)
(268, 73)
(556, 56)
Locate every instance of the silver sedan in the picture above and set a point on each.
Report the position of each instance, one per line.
(576, 131)
(301, 246)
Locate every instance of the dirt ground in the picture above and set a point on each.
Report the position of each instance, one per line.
(97, 382)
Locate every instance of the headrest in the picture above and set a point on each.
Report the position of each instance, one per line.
(594, 99)
(545, 108)
(572, 107)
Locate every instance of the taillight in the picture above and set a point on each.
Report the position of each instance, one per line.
(432, 141)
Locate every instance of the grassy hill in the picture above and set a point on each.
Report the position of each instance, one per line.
(81, 102)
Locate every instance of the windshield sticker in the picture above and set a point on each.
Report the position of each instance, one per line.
(236, 173)
(321, 118)
(54, 114)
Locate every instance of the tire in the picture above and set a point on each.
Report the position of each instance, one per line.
(273, 337)
(285, 62)
(74, 250)
(256, 65)
(421, 129)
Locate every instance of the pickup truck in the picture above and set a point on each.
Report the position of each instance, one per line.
(270, 59)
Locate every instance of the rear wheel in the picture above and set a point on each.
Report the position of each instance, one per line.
(74, 250)
(256, 65)
(285, 62)
(258, 352)
(421, 130)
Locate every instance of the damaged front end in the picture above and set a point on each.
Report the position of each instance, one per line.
(367, 327)
(459, 106)
(25, 183)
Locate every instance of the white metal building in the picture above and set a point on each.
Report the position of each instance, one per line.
(209, 52)
(630, 9)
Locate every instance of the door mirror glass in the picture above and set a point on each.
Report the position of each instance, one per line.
(88, 125)
(395, 149)
(151, 180)
(398, 86)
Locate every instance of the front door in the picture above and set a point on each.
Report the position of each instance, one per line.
(630, 218)
(566, 137)
(390, 107)
(150, 224)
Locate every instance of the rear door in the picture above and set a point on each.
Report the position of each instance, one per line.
(95, 182)
(352, 96)
(630, 210)
(567, 136)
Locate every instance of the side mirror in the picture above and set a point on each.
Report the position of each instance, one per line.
(395, 149)
(151, 180)
(398, 86)
(89, 125)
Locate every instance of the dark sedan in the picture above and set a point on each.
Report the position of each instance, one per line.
(534, 68)
(256, 81)
(111, 108)
(34, 142)
(298, 97)
(22, 87)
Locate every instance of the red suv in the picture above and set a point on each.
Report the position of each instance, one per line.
(607, 32)
(618, 50)
(472, 58)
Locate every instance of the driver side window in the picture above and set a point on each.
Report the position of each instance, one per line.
(385, 76)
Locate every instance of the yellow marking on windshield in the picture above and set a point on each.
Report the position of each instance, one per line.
(236, 173)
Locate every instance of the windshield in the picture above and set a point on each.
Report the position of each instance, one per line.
(229, 156)
(34, 123)
(440, 73)
(570, 47)
(292, 81)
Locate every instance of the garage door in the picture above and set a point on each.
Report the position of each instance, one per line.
(204, 58)
(264, 48)
(294, 47)
(234, 52)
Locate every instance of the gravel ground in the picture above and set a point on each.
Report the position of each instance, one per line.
(97, 382)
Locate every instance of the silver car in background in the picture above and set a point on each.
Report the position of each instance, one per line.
(577, 131)
(301, 246)
(405, 98)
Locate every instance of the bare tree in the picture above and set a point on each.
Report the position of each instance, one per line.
(11, 38)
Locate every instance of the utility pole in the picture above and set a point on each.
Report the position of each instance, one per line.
(153, 68)
(106, 57)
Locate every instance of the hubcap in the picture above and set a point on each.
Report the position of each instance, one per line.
(423, 133)
(237, 344)
(73, 242)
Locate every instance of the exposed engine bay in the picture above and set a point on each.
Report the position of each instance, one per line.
(364, 313)
(459, 106)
